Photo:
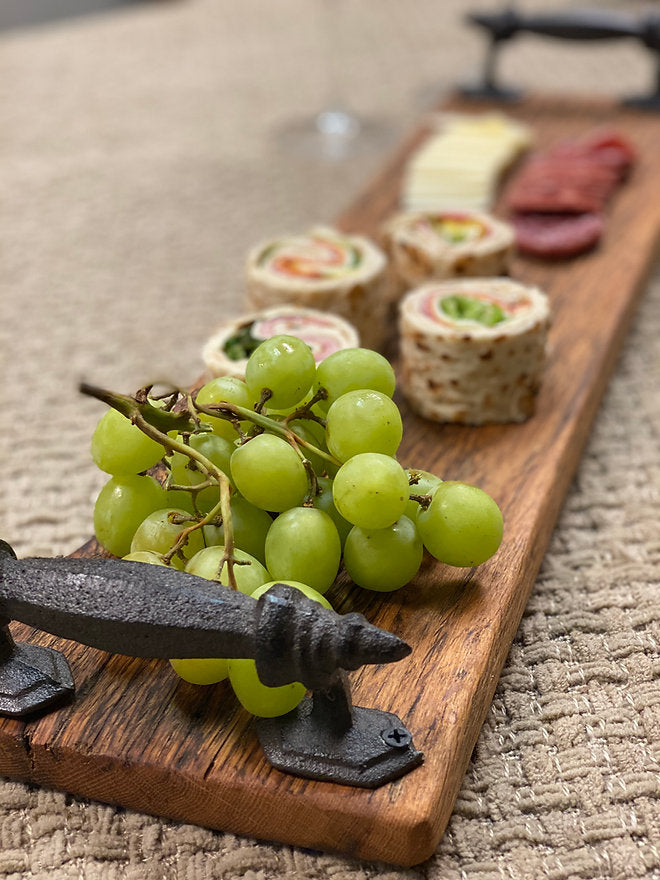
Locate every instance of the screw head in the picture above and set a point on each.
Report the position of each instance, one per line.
(397, 737)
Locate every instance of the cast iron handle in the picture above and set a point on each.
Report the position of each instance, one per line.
(587, 24)
(152, 611)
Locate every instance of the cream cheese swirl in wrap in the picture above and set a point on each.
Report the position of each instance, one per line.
(227, 351)
(325, 270)
(473, 350)
(433, 245)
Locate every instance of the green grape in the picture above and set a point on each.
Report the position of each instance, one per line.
(324, 501)
(384, 559)
(158, 533)
(121, 506)
(258, 698)
(462, 525)
(426, 484)
(268, 472)
(200, 671)
(304, 588)
(186, 472)
(371, 490)
(144, 556)
(249, 574)
(303, 545)
(363, 421)
(283, 364)
(118, 447)
(250, 526)
(227, 389)
(352, 369)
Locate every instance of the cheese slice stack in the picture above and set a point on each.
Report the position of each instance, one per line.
(459, 167)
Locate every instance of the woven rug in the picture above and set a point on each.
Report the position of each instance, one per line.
(140, 160)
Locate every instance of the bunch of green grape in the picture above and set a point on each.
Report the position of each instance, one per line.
(283, 477)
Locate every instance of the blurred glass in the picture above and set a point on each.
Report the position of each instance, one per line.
(336, 132)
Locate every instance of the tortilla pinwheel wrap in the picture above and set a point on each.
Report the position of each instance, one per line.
(226, 353)
(325, 270)
(473, 350)
(433, 245)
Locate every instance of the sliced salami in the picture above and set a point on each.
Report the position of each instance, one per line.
(557, 184)
(557, 235)
(559, 197)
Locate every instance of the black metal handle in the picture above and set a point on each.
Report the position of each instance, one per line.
(585, 25)
(153, 611)
(588, 24)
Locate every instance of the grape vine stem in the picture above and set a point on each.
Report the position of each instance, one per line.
(156, 423)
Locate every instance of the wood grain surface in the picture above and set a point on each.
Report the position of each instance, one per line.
(138, 736)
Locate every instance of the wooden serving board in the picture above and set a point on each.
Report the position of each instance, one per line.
(138, 736)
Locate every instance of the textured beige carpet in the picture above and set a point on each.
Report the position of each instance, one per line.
(139, 161)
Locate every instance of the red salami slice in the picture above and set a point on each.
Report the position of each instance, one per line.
(557, 235)
(574, 176)
(557, 184)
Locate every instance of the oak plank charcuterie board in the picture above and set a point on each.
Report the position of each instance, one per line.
(138, 736)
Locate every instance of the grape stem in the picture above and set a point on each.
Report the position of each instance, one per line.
(230, 411)
(422, 500)
(266, 395)
(305, 411)
(156, 423)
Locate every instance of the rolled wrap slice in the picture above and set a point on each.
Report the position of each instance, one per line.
(473, 350)
(429, 245)
(324, 270)
(227, 351)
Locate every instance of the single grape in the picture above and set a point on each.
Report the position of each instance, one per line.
(384, 559)
(145, 556)
(258, 698)
(157, 532)
(371, 490)
(269, 474)
(118, 447)
(283, 364)
(426, 484)
(462, 526)
(121, 506)
(225, 389)
(303, 545)
(250, 526)
(363, 421)
(249, 574)
(304, 588)
(324, 501)
(200, 671)
(186, 472)
(352, 369)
